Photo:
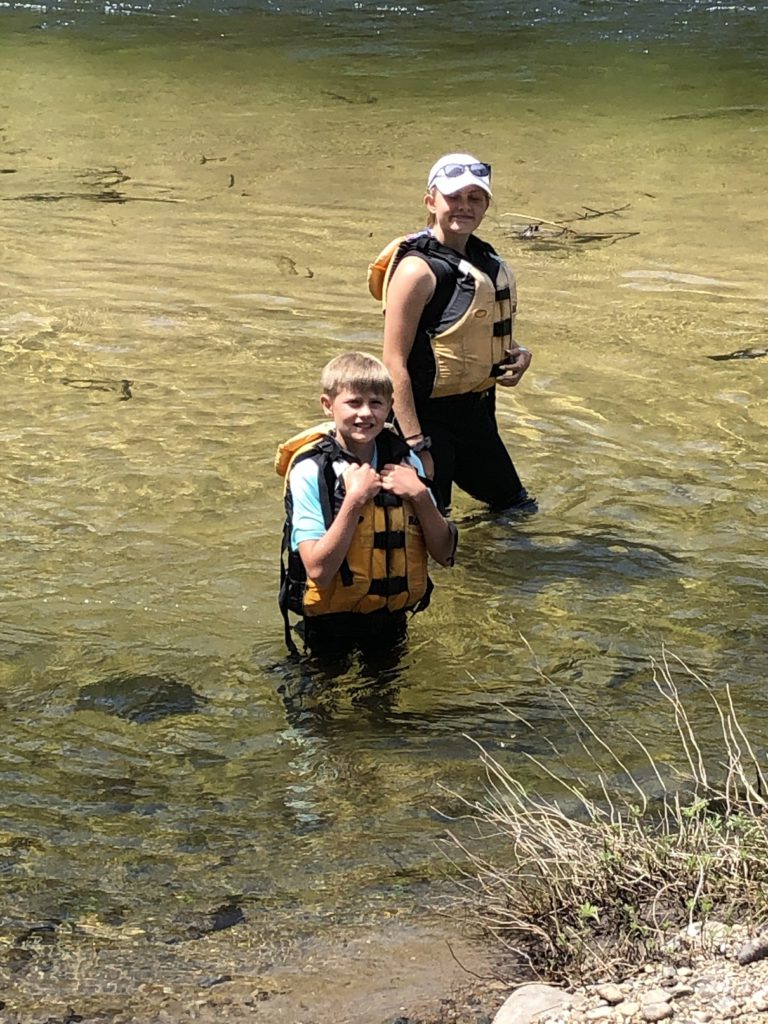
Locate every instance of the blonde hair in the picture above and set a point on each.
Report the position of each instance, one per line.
(431, 218)
(356, 371)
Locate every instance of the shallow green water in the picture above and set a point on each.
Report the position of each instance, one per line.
(190, 204)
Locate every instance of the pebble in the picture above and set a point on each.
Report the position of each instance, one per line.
(599, 1013)
(656, 1011)
(753, 950)
(656, 995)
(610, 993)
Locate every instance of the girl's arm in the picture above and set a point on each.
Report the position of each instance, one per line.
(412, 286)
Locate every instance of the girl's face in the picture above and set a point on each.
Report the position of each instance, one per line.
(458, 214)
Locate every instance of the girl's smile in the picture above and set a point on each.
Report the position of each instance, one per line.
(457, 214)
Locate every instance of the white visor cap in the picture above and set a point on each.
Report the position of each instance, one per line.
(456, 171)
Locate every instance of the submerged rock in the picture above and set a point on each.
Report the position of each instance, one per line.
(196, 924)
(140, 698)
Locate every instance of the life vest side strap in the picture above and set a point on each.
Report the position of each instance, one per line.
(424, 601)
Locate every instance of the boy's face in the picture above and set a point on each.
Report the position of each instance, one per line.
(359, 418)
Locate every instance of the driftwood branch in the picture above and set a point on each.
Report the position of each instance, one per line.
(590, 213)
(539, 229)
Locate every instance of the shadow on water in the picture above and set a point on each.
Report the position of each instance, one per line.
(140, 698)
(544, 554)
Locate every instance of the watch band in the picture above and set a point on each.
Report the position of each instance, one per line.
(421, 446)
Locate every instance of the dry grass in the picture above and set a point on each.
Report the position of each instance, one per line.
(611, 881)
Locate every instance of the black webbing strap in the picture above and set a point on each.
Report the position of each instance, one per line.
(389, 540)
(388, 587)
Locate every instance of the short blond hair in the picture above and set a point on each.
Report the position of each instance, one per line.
(356, 371)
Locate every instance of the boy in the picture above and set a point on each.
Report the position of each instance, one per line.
(360, 517)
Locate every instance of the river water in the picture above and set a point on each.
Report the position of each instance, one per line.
(189, 199)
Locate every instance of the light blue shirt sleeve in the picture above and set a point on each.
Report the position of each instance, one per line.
(307, 522)
(415, 461)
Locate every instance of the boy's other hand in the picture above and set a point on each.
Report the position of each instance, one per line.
(518, 361)
(401, 480)
(362, 483)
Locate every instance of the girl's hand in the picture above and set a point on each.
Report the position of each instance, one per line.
(518, 361)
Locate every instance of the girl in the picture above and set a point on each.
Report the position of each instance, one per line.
(450, 304)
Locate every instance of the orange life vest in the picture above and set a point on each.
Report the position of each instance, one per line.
(471, 334)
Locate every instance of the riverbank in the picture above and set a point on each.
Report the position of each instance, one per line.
(389, 972)
(717, 974)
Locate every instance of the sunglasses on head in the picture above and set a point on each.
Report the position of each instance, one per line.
(456, 170)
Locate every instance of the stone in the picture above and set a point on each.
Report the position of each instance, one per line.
(529, 1001)
(599, 1013)
(627, 1009)
(656, 995)
(755, 949)
(679, 991)
(610, 994)
(656, 1011)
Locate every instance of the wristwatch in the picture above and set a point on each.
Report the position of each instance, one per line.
(421, 446)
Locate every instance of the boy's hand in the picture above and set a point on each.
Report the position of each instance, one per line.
(362, 483)
(518, 361)
(402, 480)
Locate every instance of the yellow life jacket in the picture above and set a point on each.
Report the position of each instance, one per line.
(471, 331)
(386, 564)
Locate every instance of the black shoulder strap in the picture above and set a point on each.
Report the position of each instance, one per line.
(390, 447)
(484, 257)
(444, 264)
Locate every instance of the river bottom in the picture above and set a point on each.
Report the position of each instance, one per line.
(371, 972)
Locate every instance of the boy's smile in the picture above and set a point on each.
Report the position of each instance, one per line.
(359, 418)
